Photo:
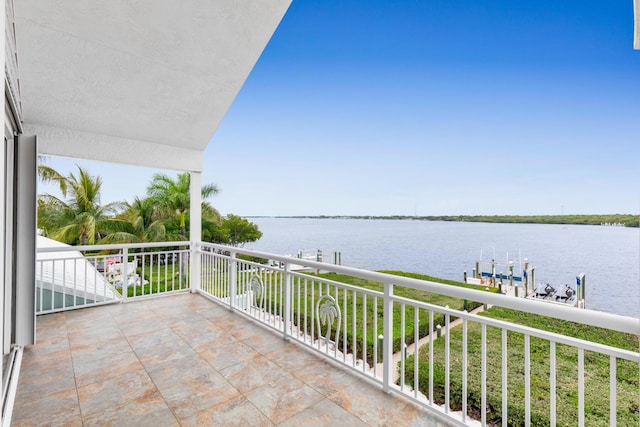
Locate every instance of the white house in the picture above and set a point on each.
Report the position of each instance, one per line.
(137, 82)
(132, 82)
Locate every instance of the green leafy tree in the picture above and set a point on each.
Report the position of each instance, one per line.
(172, 198)
(81, 218)
(234, 231)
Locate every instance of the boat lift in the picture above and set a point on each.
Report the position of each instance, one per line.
(564, 294)
(492, 273)
(495, 271)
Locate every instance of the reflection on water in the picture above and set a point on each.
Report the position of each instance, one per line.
(609, 256)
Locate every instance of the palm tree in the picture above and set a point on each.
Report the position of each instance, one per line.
(49, 174)
(81, 219)
(173, 197)
(143, 224)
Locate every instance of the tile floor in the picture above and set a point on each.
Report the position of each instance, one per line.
(183, 360)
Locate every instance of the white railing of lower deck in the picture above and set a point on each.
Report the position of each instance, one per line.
(67, 279)
(366, 329)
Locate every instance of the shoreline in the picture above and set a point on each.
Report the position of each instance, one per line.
(609, 220)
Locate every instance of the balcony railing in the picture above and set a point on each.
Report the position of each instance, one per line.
(83, 276)
(459, 364)
(374, 332)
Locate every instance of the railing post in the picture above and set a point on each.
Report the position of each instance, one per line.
(233, 274)
(387, 343)
(195, 233)
(511, 274)
(125, 274)
(194, 268)
(287, 300)
(533, 279)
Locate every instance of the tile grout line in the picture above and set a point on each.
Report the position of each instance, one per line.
(73, 370)
(264, 355)
(227, 381)
(270, 384)
(188, 345)
(157, 388)
(223, 377)
(126, 338)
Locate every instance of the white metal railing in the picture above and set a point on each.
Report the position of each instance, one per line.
(70, 277)
(480, 365)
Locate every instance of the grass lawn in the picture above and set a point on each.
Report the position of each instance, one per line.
(596, 372)
(355, 302)
(159, 279)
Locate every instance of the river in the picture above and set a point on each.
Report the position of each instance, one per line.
(609, 256)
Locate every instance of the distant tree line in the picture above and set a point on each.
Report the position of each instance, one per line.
(626, 220)
(611, 219)
(79, 218)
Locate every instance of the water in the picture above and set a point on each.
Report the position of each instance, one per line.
(609, 256)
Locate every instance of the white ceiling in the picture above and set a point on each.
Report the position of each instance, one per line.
(136, 81)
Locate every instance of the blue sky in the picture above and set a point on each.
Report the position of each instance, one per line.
(430, 107)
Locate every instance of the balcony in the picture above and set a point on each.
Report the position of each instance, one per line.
(185, 360)
(263, 343)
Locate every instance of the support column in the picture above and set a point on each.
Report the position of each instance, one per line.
(25, 238)
(195, 229)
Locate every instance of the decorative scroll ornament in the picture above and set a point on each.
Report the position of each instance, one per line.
(327, 312)
(257, 291)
